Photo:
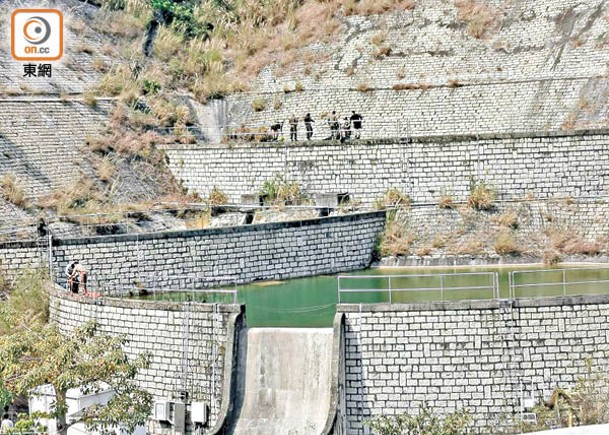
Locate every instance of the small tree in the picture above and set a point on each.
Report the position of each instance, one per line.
(40, 354)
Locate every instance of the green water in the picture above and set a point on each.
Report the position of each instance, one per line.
(311, 302)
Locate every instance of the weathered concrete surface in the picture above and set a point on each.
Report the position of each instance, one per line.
(287, 382)
(600, 429)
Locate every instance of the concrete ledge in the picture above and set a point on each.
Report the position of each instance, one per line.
(442, 139)
(558, 301)
(599, 429)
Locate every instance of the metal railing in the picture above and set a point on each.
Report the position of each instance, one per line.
(160, 287)
(444, 285)
(558, 282)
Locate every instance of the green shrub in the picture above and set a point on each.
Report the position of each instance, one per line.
(280, 191)
(423, 423)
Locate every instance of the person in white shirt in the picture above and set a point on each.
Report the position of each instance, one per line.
(6, 424)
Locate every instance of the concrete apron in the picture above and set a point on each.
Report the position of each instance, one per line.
(600, 429)
(287, 382)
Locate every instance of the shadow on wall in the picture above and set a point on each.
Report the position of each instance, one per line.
(13, 160)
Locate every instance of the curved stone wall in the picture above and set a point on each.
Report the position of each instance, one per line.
(191, 344)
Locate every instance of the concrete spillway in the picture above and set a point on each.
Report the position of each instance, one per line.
(286, 390)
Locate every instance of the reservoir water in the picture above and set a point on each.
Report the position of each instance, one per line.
(311, 302)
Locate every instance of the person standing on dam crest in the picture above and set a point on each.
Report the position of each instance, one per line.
(293, 128)
(308, 121)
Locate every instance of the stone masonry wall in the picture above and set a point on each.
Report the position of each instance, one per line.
(543, 164)
(201, 258)
(41, 139)
(16, 257)
(541, 65)
(470, 354)
(188, 343)
(588, 217)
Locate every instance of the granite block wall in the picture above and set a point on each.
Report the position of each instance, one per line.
(41, 141)
(481, 356)
(541, 164)
(189, 343)
(198, 259)
(539, 65)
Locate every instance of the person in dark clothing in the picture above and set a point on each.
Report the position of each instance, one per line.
(356, 120)
(308, 121)
(293, 128)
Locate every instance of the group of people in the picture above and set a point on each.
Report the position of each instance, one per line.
(338, 130)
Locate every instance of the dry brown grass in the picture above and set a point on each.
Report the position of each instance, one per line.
(217, 197)
(480, 18)
(482, 197)
(100, 65)
(470, 246)
(13, 191)
(570, 121)
(258, 104)
(363, 87)
(423, 251)
(507, 219)
(373, 7)
(506, 244)
(379, 38)
(82, 196)
(397, 239)
(106, 170)
(381, 52)
(392, 198)
(90, 99)
(410, 86)
(568, 241)
(439, 241)
(446, 202)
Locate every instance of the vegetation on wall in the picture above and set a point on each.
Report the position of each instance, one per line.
(425, 422)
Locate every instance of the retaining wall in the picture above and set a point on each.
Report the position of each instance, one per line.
(544, 164)
(539, 65)
(202, 258)
(470, 354)
(190, 344)
(41, 141)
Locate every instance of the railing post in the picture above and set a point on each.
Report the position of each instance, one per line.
(338, 290)
(510, 288)
(390, 291)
